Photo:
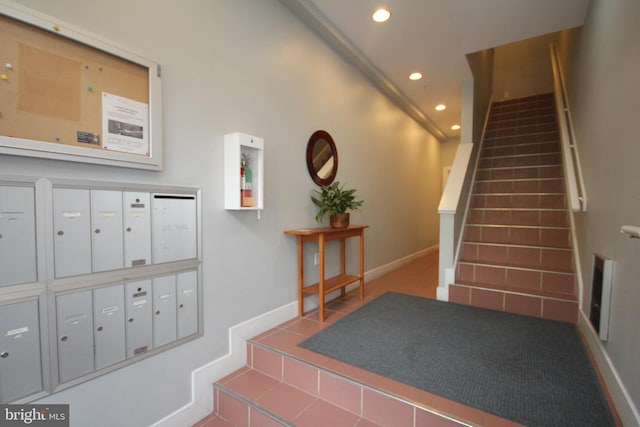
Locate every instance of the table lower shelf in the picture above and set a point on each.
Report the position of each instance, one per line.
(331, 284)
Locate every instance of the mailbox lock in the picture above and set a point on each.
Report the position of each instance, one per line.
(129, 229)
(60, 233)
(158, 312)
(0, 236)
(64, 339)
(99, 328)
(4, 354)
(181, 305)
(131, 320)
(97, 231)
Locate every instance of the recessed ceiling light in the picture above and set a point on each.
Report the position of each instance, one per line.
(440, 107)
(455, 127)
(415, 76)
(381, 15)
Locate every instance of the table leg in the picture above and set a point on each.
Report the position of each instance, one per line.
(361, 264)
(300, 279)
(343, 264)
(321, 277)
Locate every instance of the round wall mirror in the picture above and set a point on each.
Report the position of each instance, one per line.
(322, 158)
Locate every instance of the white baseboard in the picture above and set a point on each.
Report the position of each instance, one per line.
(442, 293)
(389, 267)
(202, 379)
(624, 404)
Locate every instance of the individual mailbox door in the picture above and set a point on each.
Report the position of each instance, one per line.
(17, 235)
(106, 230)
(164, 310)
(137, 229)
(20, 368)
(174, 233)
(75, 335)
(108, 325)
(187, 294)
(72, 241)
(138, 300)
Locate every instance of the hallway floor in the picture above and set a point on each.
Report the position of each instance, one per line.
(418, 277)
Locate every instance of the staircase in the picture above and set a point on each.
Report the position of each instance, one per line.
(516, 254)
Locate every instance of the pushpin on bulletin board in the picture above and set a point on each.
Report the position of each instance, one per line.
(4, 77)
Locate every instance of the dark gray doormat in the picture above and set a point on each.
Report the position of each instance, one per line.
(533, 371)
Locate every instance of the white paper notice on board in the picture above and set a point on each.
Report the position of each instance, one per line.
(125, 125)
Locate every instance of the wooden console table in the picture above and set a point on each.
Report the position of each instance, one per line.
(328, 285)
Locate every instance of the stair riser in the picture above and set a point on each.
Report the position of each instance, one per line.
(527, 186)
(530, 118)
(520, 161)
(518, 201)
(495, 141)
(521, 130)
(560, 260)
(362, 401)
(528, 305)
(544, 218)
(519, 150)
(500, 278)
(526, 236)
(531, 172)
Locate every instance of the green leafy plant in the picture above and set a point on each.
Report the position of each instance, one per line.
(334, 199)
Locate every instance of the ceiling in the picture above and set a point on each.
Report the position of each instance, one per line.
(432, 37)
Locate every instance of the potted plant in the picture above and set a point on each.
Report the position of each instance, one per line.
(335, 201)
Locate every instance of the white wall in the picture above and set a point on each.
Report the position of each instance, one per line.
(523, 68)
(602, 67)
(248, 66)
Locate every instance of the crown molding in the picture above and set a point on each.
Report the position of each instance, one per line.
(317, 22)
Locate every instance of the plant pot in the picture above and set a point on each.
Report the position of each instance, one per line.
(340, 220)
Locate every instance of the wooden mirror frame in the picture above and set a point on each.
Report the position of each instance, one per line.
(317, 137)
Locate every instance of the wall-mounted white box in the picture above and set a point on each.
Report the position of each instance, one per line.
(239, 147)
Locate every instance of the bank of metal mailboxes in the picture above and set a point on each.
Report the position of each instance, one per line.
(103, 230)
(70, 307)
(104, 326)
(17, 235)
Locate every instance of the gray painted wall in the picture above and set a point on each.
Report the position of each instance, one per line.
(602, 64)
(247, 66)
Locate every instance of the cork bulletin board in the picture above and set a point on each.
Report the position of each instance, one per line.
(68, 95)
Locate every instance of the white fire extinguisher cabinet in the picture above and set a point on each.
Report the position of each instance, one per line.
(243, 172)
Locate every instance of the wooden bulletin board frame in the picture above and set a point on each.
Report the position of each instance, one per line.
(77, 150)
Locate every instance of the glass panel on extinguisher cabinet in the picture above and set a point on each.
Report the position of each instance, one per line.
(244, 155)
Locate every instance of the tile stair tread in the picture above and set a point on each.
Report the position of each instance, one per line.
(304, 416)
